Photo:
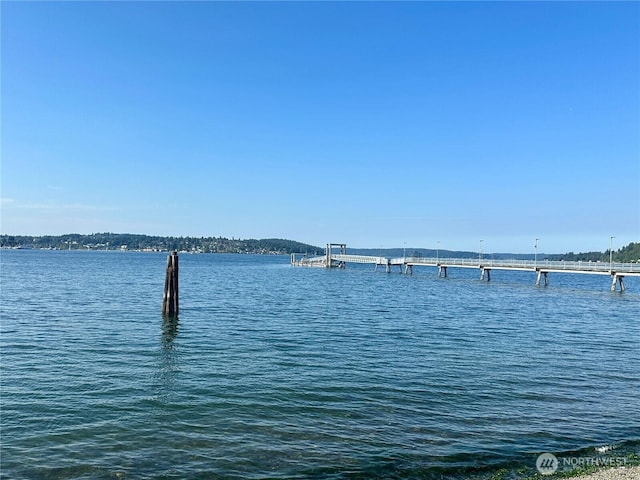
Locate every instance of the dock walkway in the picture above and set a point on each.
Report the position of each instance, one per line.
(617, 271)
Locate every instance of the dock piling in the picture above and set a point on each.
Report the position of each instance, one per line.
(170, 296)
(487, 271)
(546, 278)
(619, 279)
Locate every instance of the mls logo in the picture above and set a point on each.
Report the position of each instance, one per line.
(547, 463)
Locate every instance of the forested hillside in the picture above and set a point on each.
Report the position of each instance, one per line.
(126, 241)
(627, 254)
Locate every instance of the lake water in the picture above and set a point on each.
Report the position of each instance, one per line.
(273, 371)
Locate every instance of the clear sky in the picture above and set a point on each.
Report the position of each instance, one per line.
(374, 124)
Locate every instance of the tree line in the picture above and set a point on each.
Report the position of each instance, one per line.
(627, 254)
(127, 241)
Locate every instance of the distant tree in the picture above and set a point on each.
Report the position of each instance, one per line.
(630, 253)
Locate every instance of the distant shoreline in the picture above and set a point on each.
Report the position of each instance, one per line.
(276, 246)
(148, 243)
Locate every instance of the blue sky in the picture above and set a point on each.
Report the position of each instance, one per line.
(373, 124)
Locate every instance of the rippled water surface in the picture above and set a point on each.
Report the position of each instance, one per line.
(275, 371)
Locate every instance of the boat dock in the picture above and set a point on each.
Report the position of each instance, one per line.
(340, 258)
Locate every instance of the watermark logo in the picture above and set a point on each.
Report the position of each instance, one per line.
(547, 463)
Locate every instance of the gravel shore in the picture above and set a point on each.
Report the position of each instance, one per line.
(617, 473)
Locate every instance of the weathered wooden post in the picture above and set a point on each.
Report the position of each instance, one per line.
(170, 297)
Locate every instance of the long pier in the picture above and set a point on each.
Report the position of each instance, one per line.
(617, 271)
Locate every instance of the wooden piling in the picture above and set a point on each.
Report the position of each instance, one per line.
(170, 297)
